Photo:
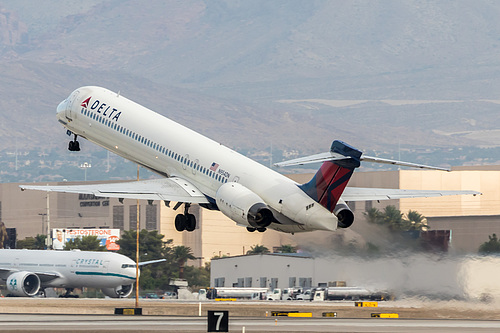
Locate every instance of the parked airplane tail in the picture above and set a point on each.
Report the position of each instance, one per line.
(327, 185)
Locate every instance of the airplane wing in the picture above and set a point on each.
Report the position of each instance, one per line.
(369, 194)
(168, 189)
(47, 276)
(151, 262)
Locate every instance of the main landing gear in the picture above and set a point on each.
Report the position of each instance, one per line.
(251, 229)
(68, 293)
(185, 221)
(74, 145)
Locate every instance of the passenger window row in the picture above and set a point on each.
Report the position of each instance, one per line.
(153, 145)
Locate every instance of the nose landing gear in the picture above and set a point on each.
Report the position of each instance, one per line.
(74, 145)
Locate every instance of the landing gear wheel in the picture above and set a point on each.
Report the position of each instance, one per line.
(261, 229)
(180, 222)
(190, 222)
(74, 145)
(250, 229)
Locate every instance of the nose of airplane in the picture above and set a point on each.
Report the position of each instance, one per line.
(61, 108)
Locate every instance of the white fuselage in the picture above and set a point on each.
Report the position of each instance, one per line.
(162, 145)
(76, 269)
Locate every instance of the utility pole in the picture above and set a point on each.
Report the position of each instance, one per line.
(49, 238)
(137, 252)
(43, 221)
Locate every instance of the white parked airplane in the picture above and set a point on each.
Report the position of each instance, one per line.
(199, 170)
(27, 272)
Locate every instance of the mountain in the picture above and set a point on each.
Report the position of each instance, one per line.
(288, 74)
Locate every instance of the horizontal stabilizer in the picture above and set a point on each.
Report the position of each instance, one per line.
(407, 164)
(334, 156)
(372, 194)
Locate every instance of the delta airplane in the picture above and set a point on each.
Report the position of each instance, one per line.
(29, 272)
(197, 170)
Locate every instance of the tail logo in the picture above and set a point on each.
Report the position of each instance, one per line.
(329, 182)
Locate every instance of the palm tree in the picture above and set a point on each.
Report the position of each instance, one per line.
(181, 255)
(416, 221)
(393, 218)
(258, 249)
(287, 248)
(373, 215)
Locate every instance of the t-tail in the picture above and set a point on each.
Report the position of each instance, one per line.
(339, 163)
(327, 185)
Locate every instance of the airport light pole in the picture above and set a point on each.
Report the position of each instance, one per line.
(85, 166)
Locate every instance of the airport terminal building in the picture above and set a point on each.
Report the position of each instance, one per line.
(470, 219)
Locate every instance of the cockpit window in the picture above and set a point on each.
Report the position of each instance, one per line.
(128, 265)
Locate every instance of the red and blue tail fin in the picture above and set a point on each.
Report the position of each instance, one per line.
(327, 185)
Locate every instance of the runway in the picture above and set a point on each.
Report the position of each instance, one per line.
(99, 323)
(96, 315)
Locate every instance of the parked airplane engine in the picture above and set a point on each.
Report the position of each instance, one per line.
(243, 206)
(119, 292)
(344, 215)
(23, 284)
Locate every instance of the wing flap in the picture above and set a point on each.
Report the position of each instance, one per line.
(369, 194)
(170, 189)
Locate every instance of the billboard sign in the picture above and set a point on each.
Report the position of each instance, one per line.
(107, 237)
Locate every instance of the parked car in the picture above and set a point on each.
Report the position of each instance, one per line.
(169, 295)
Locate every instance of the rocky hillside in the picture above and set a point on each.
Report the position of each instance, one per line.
(256, 74)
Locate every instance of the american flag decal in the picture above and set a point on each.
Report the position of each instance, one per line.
(214, 166)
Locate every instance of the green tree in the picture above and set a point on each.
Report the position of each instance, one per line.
(258, 249)
(491, 246)
(375, 216)
(393, 218)
(32, 243)
(3, 235)
(416, 221)
(151, 247)
(85, 243)
(181, 255)
(198, 277)
(287, 248)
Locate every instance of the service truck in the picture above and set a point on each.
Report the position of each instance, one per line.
(233, 292)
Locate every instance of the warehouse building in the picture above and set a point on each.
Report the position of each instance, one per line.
(437, 277)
